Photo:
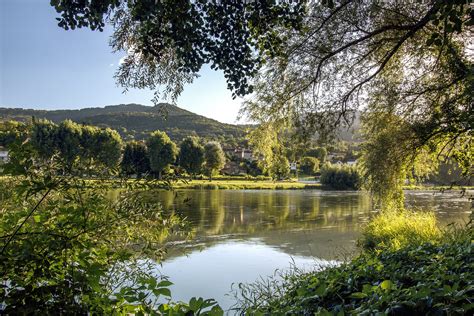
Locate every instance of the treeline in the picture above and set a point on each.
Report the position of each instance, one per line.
(93, 150)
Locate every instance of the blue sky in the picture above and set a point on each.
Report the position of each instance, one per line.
(45, 67)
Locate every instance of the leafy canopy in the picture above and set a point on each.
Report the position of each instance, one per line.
(168, 42)
(162, 152)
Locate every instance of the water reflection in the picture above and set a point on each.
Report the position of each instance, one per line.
(324, 224)
(241, 235)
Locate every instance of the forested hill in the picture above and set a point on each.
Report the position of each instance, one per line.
(135, 120)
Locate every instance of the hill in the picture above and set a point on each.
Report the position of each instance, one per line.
(135, 120)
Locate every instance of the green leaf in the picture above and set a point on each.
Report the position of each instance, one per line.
(386, 285)
(358, 295)
(165, 283)
(162, 291)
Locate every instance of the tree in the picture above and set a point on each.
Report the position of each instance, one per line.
(279, 167)
(109, 148)
(318, 152)
(214, 158)
(340, 177)
(162, 152)
(309, 165)
(135, 159)
(167, 44)
(11, 131)
(408, 59)
(67, 141)
(102, 147)
(43, 138)
(191, 155)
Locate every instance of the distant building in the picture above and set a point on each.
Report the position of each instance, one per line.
(3, 155)
(247, 154)
(240, 153)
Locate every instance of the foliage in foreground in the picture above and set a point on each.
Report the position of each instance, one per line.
(69, 248)
(418, 279)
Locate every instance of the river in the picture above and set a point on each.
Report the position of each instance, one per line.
(242, 235)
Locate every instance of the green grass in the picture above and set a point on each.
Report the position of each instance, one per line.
(395, 229)
(206, 184)
(244, 185)
(423, 187)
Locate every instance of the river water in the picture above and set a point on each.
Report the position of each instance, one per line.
(243, 235)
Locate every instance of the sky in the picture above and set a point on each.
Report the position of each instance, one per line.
(43, 66)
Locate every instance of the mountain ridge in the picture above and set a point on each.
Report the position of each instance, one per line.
(135, 120)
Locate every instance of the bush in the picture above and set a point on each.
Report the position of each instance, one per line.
(395, 229)
(340, 177)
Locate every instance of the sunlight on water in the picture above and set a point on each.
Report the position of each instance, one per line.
(212, 271)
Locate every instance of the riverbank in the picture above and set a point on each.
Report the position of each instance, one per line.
(239, 183)
(413, 268)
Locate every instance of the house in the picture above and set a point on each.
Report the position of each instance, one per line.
(247, 154)
(240, 153)
(3, 155)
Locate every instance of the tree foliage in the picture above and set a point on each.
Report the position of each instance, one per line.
(191, 155)
(81, 147)
(313, 64)
(411, 60)
(319, 153)
(214, 158)
(340, 177)
(170, 42)
(279, 167)
(67, 248)
(162, 152)
(135, 159)
(309, 165)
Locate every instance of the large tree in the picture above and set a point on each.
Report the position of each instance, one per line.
(135, 159)
(167, 42)
(162, 152)
(214, 158)
(191, 155)
(408, 64)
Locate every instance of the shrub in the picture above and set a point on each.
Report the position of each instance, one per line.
(340, 177)
(395, 229)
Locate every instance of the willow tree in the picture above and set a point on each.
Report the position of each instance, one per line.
(408, 65)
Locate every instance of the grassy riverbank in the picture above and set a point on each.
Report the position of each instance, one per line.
(239, 183)
(245, 185)
(407, 266)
